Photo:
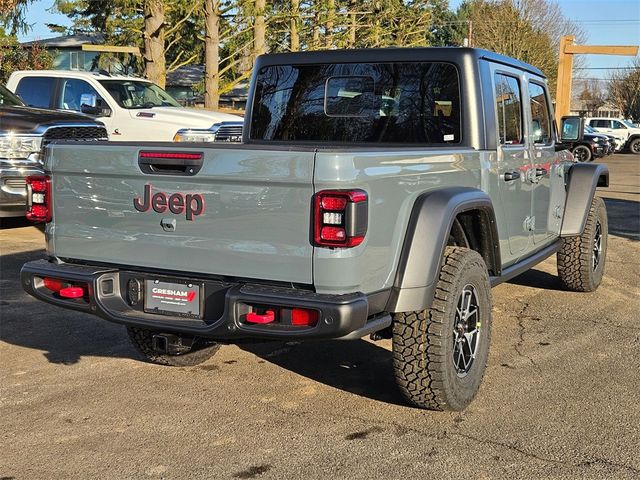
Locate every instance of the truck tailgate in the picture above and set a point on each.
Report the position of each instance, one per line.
(245, 213)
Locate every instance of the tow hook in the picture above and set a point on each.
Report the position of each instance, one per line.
(170, 344)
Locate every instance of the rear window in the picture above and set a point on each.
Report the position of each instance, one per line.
(36, 91)
(407, 103)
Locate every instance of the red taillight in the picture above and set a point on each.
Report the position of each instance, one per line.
(303, 317)
(340, 218)
(172, 155)
(53, 284)
(39, 198)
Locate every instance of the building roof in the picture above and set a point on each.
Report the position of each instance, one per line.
(186, 76)
(68, 41)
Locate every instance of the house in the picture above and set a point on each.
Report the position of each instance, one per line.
(82, 51)
(186, 83)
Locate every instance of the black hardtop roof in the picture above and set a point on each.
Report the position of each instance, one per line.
(457, 55)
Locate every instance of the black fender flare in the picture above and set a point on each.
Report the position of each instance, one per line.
(427, 235)
(582, 180)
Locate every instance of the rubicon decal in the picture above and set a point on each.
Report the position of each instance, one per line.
(191, 204)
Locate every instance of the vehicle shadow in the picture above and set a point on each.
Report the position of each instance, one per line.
(14, 222)
(624, 217)
(355, 366)
(64, 336)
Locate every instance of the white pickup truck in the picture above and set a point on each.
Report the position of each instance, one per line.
(132, 109)
(620, 128)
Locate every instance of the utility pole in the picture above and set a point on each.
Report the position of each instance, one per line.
(565, 67)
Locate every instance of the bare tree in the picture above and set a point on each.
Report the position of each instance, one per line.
(592, 96)
(259, 29)
(154, 46)
(624, 90)
(211, 54)
(294, 35)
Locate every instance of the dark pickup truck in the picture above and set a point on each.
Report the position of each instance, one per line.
(24, 131)
(376, 192)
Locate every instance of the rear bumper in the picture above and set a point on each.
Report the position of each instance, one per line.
(340, 316)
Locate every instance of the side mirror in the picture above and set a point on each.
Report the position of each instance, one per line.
(571, 129)
(97, 111)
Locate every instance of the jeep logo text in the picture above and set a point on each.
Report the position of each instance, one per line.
(191, 204)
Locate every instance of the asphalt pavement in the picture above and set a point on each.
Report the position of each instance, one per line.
(560, 398)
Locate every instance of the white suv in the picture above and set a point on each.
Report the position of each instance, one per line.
(618, 128)
(132, 109)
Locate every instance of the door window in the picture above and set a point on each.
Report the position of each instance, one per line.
(77, 92)
(36, 91)
(540, 117)
(601, 123)
(617, 124)
(509, 109)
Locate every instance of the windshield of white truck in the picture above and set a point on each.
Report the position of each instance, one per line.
(401, 103)
(138, 94)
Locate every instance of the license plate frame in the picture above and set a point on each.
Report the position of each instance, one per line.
(173, 297)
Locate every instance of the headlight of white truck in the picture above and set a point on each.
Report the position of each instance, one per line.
(16, 146)
(195, 135)
(218, 132)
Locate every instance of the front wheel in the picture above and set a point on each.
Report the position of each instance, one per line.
(440, 354)
(582, 153)
(634, 146)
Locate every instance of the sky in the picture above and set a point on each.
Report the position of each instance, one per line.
(606, 22)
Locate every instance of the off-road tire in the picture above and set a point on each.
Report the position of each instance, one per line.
(576, 254)
(423, 341)
(582, 153)
(141, 340)
(634, 146)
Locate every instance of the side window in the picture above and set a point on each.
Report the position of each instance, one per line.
(540, 118)
(75, 93)
(617, 124)
(601, 124)
(509, 106)
(36, 91)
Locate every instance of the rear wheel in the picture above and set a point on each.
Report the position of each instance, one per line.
(440, 354)
(582, 153)
(200, 351)
(581, 259)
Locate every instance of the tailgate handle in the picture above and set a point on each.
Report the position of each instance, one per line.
(170, 163)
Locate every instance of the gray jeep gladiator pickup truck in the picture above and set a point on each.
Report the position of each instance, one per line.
(376, 192)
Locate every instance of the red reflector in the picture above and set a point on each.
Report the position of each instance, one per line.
(53, 284)
(333, 234)
(253, 317)
(303, 317)
(72, 292)
(334, 203)
(172, 155)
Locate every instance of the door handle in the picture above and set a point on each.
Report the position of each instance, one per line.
(541, 172)
(510, 176)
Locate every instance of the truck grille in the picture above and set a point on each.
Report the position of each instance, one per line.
(76, 133)
(229, 132)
